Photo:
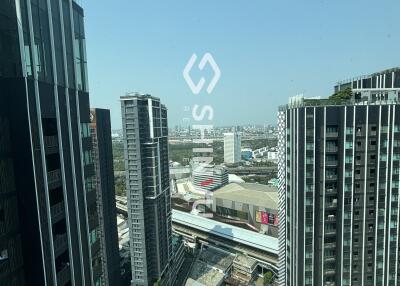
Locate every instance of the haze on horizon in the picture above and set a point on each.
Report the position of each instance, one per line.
(266, 51)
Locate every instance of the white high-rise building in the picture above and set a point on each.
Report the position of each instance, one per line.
(232, 147)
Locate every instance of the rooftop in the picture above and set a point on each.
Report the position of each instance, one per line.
(386, 71)
(245, 260)
(312, 102)
(137, 95)
(205, 275)
(248, 193)
(216, 258)
(209, 267)
(226, 231)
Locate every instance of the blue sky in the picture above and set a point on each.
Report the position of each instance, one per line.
(267, 51)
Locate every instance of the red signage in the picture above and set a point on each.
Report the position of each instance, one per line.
(266, 218)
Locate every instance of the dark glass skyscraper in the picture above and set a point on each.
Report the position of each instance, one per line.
(48, 222)
(339, 173)
(144, 122)
(100, 127)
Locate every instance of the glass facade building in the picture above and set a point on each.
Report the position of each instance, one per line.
(48, 221)
(339, 177)
(100, 128)
(145, 129)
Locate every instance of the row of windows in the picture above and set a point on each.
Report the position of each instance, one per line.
(40, 53)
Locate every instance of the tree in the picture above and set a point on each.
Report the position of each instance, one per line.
(268, 277)
(342, 94)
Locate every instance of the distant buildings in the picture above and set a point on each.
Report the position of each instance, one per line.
(247, 154)
(48, 216)
(144, 121)
(272, 156)
(339, 173)
(232, 147)
(100, 129)
(209, 178)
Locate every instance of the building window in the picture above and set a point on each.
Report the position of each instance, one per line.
(87, 157)
(232, 213)
(349, 130)
(85, 130)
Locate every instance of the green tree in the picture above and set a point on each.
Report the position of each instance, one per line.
(342, 94)
(268, 277)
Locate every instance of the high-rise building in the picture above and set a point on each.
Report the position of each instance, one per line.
(232, 147)
(144, 123)
(100, 127)
(47, 207)
(209, 177)
(339, 172)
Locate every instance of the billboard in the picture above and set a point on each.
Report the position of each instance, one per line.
(266, 218)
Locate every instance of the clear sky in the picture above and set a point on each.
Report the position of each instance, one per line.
(267, 51)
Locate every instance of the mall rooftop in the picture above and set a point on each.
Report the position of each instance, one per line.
(249, 193)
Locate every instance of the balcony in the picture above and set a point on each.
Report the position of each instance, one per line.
(51, 144)
(330, 271)
(330, 258)
(330, 245)
(97, 271)
(331, 218)
(57, 212)
(95, 246)
(91, 197)
(93, 220)
(60, 244)
(330, 232)
(331, 191)
(64, 275)
(331, 205)
(332, 163)
(54, 178)
(333, 134)
(331, 149)
(331, 177)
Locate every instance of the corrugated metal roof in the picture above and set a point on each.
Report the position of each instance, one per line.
(254, 194)
(237, 234)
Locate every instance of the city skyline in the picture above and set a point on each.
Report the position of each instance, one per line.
(220, 143)
(267, 52)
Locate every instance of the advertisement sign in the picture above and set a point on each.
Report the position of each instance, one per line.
(266, 218)
(258, 216)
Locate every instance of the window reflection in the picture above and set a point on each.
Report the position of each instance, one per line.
(9, 49)
(80, 52)
(68, 43)
(42, 48)
(58, 49)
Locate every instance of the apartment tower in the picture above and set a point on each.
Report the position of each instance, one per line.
(47, 210)
(100, 128)
(339, 173)
(232, 148)
(144, 121)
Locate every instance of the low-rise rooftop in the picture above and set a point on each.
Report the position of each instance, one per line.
(245, 261)
(255, 194)
(249, 238)
(202, 274)
(216, 258)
